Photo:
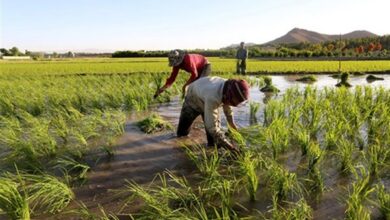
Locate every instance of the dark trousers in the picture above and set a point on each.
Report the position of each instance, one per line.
(206, 70)
(241, 66)
(187, 117)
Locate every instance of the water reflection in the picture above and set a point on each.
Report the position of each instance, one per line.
(282, 82)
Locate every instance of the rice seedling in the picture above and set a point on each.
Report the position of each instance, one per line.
(155, 207)
(249, 165)
(283, 183)
(12, 202)
(344, 80)
(237, 138)
(268, 85)
(344, 152)
(383, 200)
(273, 110)
(277, 136)
(207, 164)
(371, 78)
(253, 108)
(358, 195)
(154, 123)
(84, 213)
(315, 156)
(303, 140)
(308, 79)
(47, 193)
(72, 166)
(376, 157)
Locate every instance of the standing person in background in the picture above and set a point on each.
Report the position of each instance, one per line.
(242, 55)
(195, 64)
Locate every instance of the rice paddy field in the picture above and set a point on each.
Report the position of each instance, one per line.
(84, 139)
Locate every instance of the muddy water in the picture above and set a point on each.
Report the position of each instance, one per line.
(139, 157)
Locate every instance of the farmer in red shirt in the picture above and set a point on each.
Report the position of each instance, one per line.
(196, 64)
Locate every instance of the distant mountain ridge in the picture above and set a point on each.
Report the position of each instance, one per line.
(298, 35)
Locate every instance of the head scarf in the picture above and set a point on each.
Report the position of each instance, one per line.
(176, 57)
(237, 88)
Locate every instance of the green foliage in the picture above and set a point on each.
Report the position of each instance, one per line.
(154, 123)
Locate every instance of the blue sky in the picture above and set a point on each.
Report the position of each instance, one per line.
(109, 25)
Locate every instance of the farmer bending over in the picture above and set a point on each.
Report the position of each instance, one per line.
(204, 97)
(196, 64)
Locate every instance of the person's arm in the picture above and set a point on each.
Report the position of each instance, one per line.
(229, 116)
(194, 74)
(169, 81)
(212, 125)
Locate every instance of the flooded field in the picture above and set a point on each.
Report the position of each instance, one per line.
(139, 157)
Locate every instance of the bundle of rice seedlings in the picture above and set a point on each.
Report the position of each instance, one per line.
(154, 123)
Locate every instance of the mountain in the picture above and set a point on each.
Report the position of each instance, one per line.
(298, 35)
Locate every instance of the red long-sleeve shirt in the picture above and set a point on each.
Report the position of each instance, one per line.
(192, 63)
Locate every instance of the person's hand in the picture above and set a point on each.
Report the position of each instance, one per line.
(158, 92)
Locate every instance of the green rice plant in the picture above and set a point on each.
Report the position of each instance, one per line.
(154, 123)
(315, 155)
(155, 207)
(358, 195)
(283, 183)
(383, 200)
(273, 110)
(237, 138)
(302, 137)
(344, 80)
(344, 152)
(311, 112)
(376, 157)
(277, 136)
(12, 202)
(253, 108)
(84, 213)
(300, 210)
(72, 166)
(268, 85)
(207, 164)
(225, 190)
(47, 193)
(307, 78)
(249, 165)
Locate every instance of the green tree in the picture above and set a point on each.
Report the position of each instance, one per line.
(14, 51)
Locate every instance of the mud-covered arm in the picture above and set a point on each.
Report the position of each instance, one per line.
(212, 124)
